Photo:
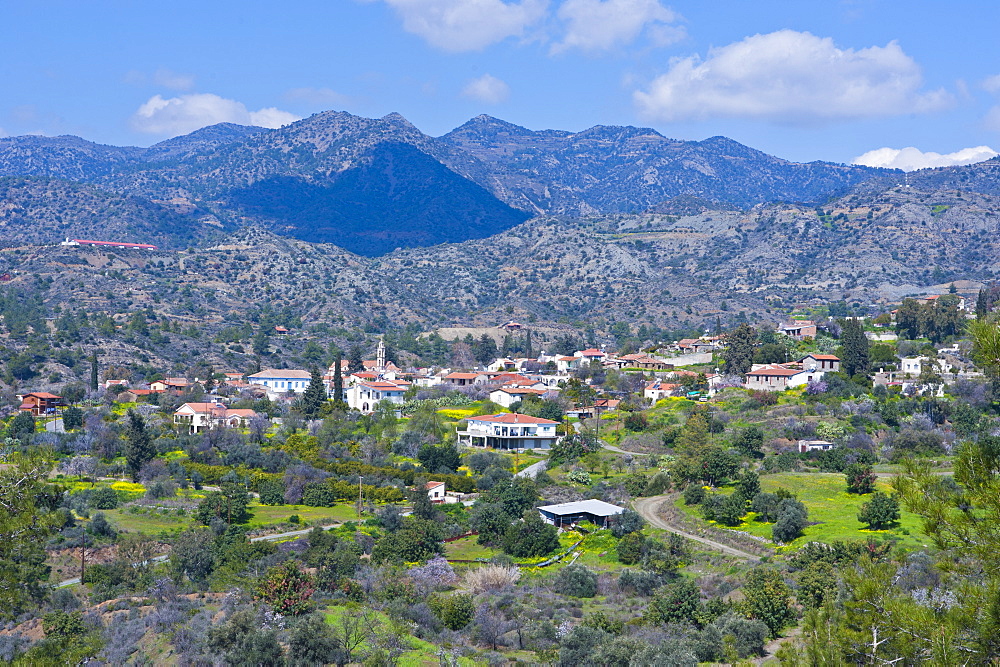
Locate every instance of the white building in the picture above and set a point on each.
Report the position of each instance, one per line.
(508, 396)
(509, 431)
(200, 416)
(365, 396)
(281, 381)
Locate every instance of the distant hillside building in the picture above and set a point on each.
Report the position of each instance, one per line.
(280, 381)
(595, 511)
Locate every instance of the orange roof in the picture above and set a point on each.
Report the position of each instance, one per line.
(511, 418)
(827, 357)
(40, 394)
(592, 352)
(777, 371)
(462, 376)
(433, 485)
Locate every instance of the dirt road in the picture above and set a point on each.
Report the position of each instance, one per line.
(649, 509)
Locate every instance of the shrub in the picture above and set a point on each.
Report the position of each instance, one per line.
(792, 518)
(881, 512)
(694, 494)
(630, 548)
(103, 498)
(287, 589)
(727, 510)
(860, 478)
(629, 521)
(642, 582)
(765, 505)
(271, 491)
(455, 611)
(576, 581)
(530, 537)
(579, 477)
(491, 578)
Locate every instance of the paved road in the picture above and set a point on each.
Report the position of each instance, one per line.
(260, 538)
(648, 507)
(533, 469)
(55, 426)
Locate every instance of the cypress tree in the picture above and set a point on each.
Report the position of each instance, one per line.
(315, 394)
(138, 443)
(855, 345)
(982, 307)
(93, 371)
(741, 343)
(338, 380)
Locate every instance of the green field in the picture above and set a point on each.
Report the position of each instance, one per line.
(266, 515)
(151, 523)
(467, 549)
(834, 511)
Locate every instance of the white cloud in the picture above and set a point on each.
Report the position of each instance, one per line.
(467, 25)
(487, 89)
(186, 113)
(792, 77)
(162, 77)
(324, 97)
(910, 159)
(991, 83)
(600, 25)
(3, 133)
(173, 80)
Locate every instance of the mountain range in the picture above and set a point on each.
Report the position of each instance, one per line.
(373, 185)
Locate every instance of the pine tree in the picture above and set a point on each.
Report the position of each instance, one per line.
(856, 347)
(741, 343)
(138, 443)
(314, 396)
(338, 380)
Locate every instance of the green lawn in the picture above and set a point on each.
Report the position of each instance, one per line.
(266, 515)
(833, 509)
(467, 549)
(151, 523)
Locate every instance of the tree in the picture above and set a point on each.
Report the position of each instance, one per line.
(243, 641)
(751, 442)
(338, 382)
(986, 344)
(576, 581)
(192, 555)
(438, 458)
(738, 355)
(139, 447)
(271, 492)
(879, 513)
(72, 418)
(355, 364)
(675, 603)
(766, 599)
(27, 517)
(748, 485)
(229, 505)
(855, 343)
(908, 319)
(485, 350)
(21, 426)
(860, 478)
(313, 642)
(417, 541)
(93, 372)
(792, 518)
(287, 589)
(314, 396)
(455, 611)
(530, 537)
(628, 521)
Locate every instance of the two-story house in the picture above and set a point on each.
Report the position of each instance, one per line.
(281, 381)
(509, 431)
(200, 416)
(366, 395)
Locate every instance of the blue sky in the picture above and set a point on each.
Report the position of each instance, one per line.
(801, 80)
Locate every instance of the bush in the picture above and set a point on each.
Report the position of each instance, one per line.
(629, 521)
(642, 582)
(103, 498)
(287, 589)
(727, 510)
(860, 478)
(530, 537)
(765, 505)
(792, 518)
(694, 494)
(630, 548)
(881, 512)
(271, 491)
(455, 611)
(492, 578)
(576, 581)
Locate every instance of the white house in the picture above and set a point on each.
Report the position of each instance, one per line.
(508, 396)
(280, 381)
(465, 379)
(778, 377)
(199, 416)
(821, 362)
(658, 390)
(509, 431)
(814, 445)
(366, 395)
(436, 491)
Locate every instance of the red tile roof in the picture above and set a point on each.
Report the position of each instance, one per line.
(776, 371)
(41, 394)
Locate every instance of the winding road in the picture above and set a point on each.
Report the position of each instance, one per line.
(647, 507)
